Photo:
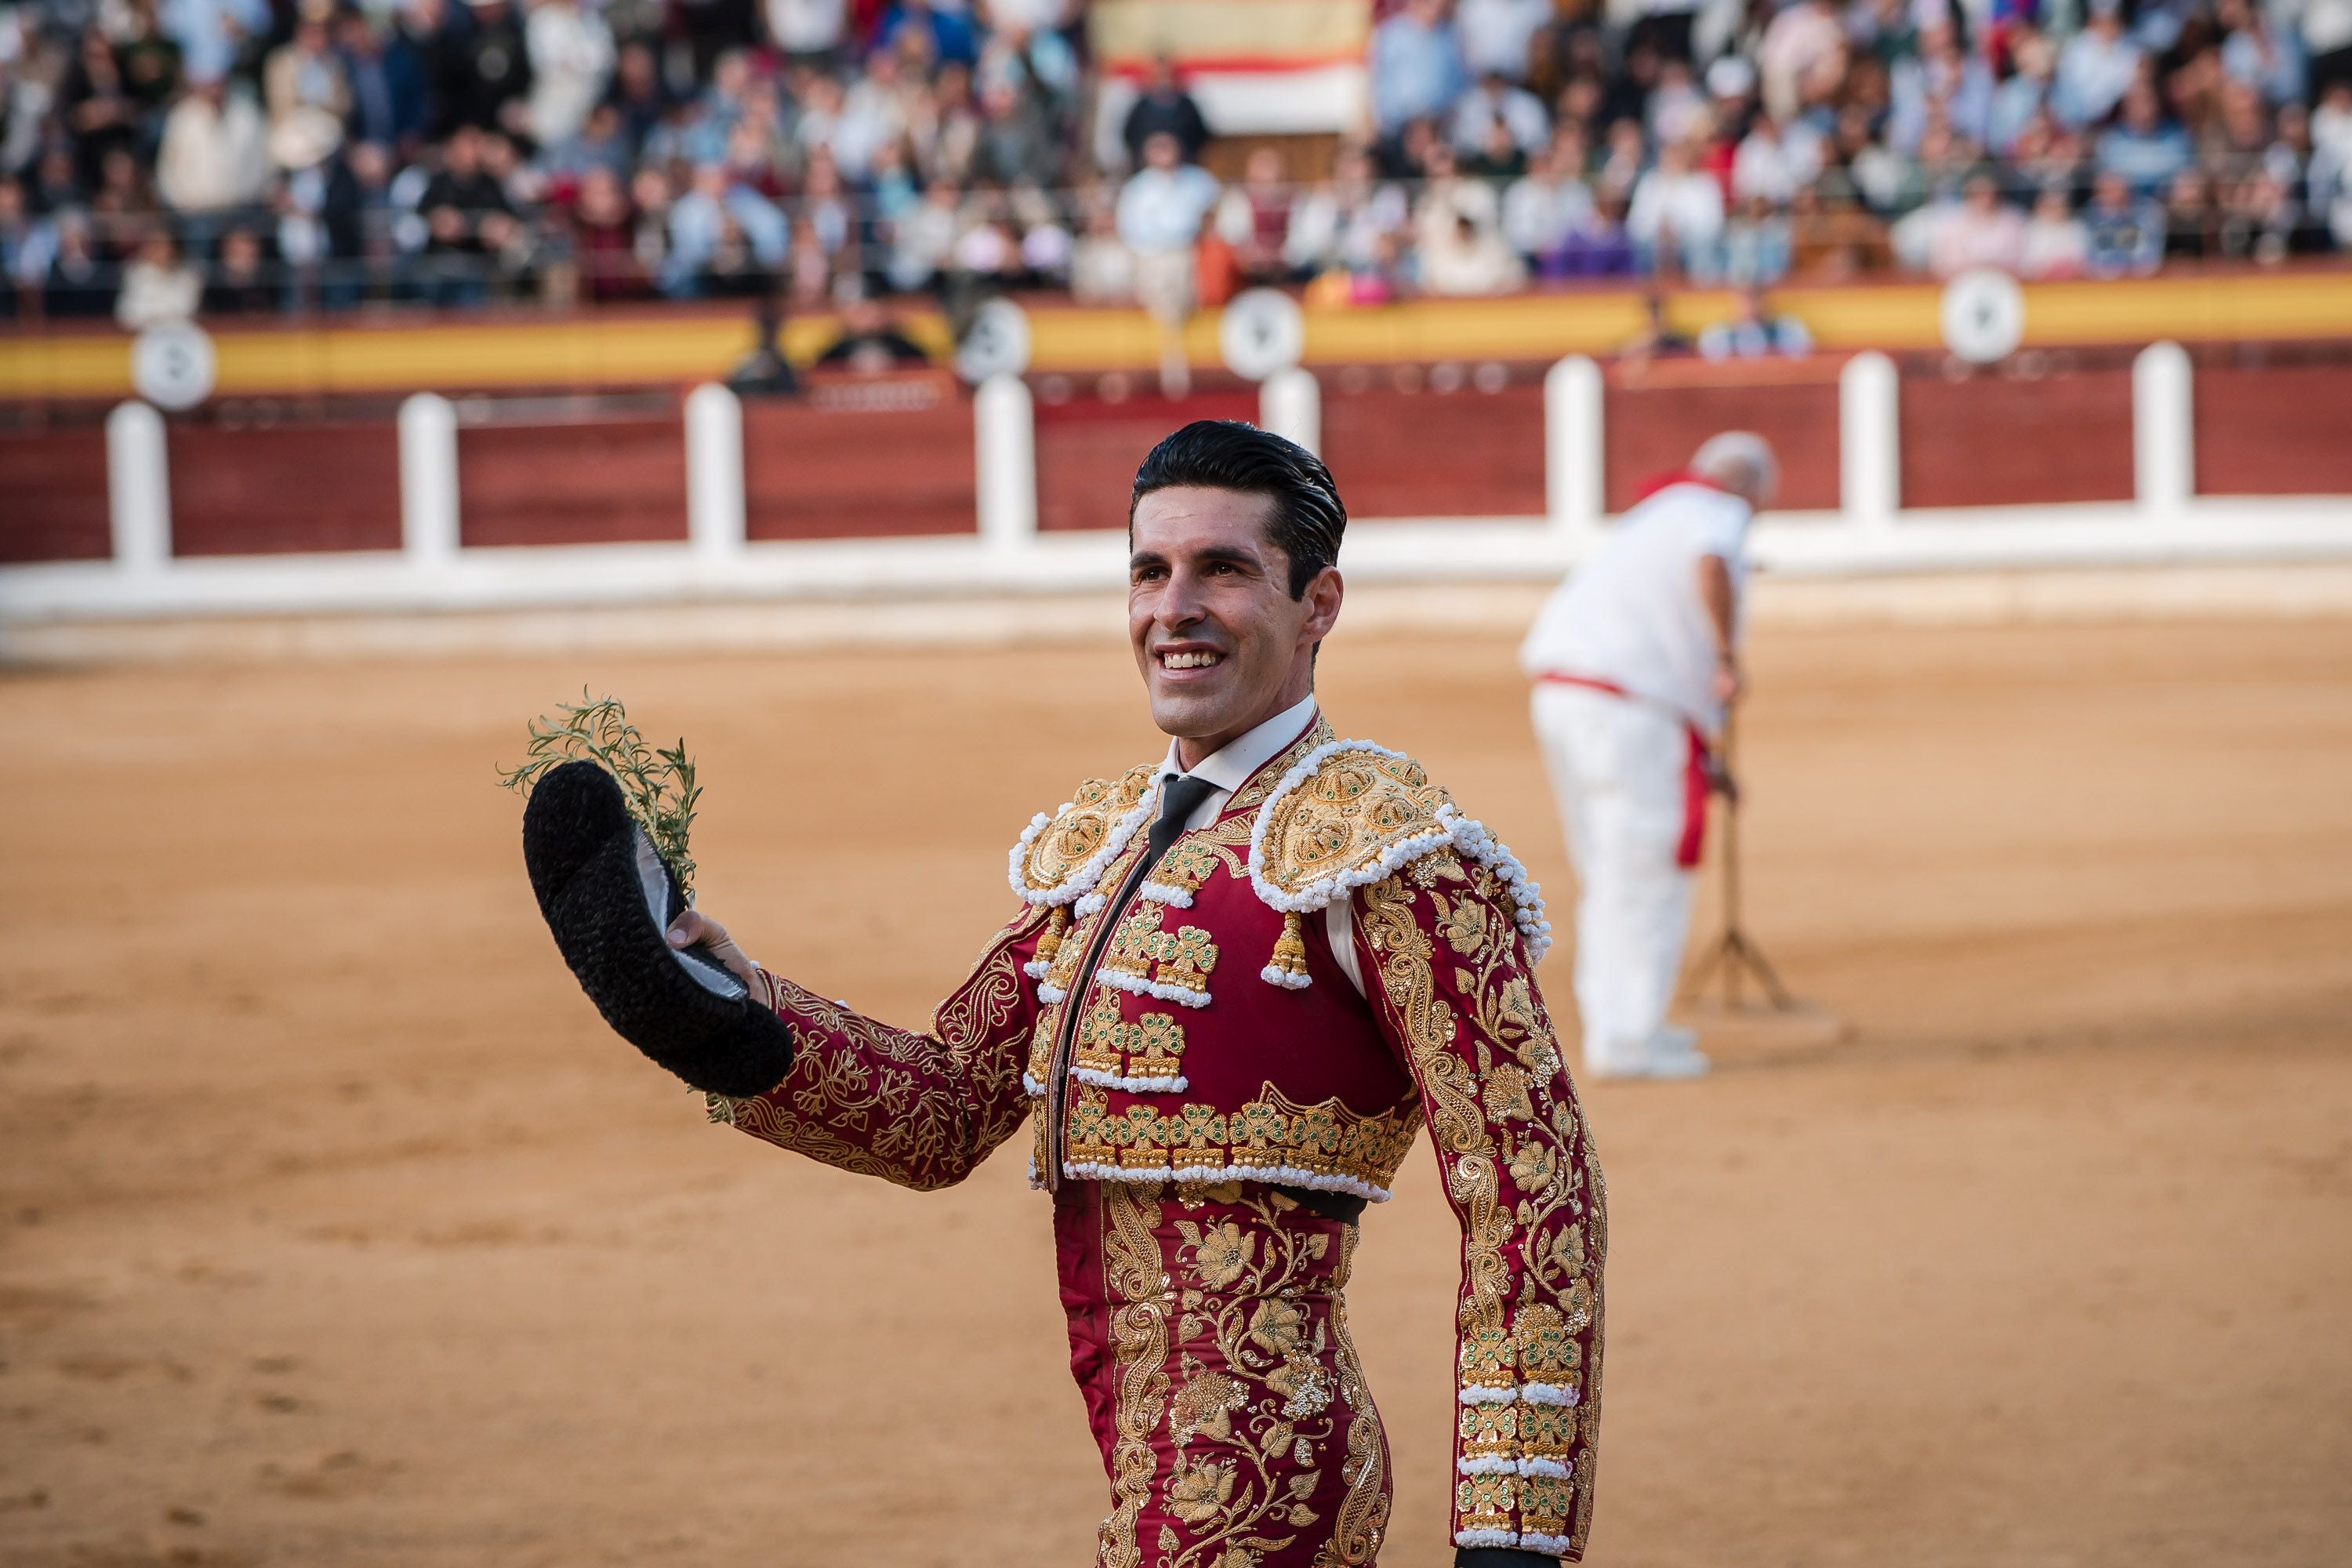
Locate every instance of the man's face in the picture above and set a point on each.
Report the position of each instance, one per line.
(1221, 643)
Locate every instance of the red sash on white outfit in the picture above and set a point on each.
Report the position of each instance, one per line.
(1694, 771)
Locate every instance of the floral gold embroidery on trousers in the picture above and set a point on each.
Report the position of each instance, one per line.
(1209, 1337)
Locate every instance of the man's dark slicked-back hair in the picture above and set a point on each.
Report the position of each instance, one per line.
(1307, 518)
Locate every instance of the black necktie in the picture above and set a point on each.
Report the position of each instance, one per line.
(1179, 798)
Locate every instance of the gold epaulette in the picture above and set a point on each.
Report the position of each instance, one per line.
(1063, 853)
(1349, 815)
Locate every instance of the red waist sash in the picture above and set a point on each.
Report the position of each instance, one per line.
(1694, 781)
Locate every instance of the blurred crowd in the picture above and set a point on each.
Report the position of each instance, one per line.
(161, 157)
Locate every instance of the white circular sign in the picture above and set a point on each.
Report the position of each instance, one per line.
(171, 365)
(1984, 316)
(1262, 331)
(996, 343)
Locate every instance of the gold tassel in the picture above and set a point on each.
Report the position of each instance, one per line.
(1050, 942)
(1290, 948)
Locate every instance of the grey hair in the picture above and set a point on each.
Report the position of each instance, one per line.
(1742, 462)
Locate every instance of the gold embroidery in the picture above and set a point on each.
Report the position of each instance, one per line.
(1271, 1136)
(1501, 1109)
(1188, 863)
(1363, 1516)
(1186, 957)
(1065, 844)
(1263, 781)
(1138, 1331)
(922, 1110)
(1357, 808)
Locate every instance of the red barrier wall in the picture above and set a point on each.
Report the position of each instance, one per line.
(1653, 427)
(1997, 440)
(286, 488)
(53, 495)
(823, 473)
(2273, 429)
(600, 481)
(1089, 450)
(1464, 453)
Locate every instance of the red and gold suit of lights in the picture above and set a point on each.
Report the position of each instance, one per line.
(1197, 1061)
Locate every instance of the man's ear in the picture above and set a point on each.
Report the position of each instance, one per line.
(1324, 592)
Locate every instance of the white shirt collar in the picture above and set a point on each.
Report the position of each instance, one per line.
(1230, 766)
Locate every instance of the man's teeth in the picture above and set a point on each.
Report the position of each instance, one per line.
(1189, 660)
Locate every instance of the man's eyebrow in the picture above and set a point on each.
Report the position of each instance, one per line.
(1145, 558)
(1241, 554)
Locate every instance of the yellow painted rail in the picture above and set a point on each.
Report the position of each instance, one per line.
(654, 345)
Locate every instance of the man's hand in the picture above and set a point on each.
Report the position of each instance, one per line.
(1719, 779)
(1728, 682)
(691, 928)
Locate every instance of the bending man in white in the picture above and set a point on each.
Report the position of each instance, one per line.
(1635, 659)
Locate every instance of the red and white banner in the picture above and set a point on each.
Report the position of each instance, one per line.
(1255, 67)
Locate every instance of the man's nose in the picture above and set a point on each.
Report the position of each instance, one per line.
(1180, 602)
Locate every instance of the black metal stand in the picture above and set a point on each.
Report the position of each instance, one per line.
(1735, 953)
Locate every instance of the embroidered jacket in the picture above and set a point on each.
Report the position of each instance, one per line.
(1192, 1026)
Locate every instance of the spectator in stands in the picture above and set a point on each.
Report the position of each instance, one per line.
(98, 105)
(2057, 245)
(158, 286)
(1775, 161)
(1757, 246)
(212, 32)
(1342, 227)
(1982, 230)
(605, 237)
(1544, 206)
(213, 157)
(870, 342)
(471, 225)
(1459, 232)
(27, 245)
(79, 283)
(1160, 210)
(1801, 56)
(1102, 268)
(1676, 215)
(1831, 238)
(571, 58)
(305, 73)
(1754, 331)
(387, 80)
(2024, 95)
(809, 32)
(1497, 34)
(2127, 230)
(2148, 150)
(1164, 109)
(240, 283)
(1417, 69)
(488, 81)
(723, 236)
(1254, 219)
(1495, 104)
(2267, 59)
(2096, 68)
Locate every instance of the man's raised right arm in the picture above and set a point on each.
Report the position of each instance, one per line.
(922, 1109)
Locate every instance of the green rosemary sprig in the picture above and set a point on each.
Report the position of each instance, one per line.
(658, 784)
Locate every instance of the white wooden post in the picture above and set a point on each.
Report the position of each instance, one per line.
(2164, 431)
(1572, 451)
(1870, 425)
(138, 488)
(714, 473)
(1290, 403)
(1004, 439)
(428, 480)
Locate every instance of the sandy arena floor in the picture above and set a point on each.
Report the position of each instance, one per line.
(336, 1230)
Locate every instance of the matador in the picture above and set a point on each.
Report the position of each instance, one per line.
(1236, 982)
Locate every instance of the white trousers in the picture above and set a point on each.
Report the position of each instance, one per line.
(1617, 770)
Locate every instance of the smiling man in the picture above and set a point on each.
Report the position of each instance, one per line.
(1240, 979)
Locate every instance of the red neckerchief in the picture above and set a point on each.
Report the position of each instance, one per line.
(1653, 485)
